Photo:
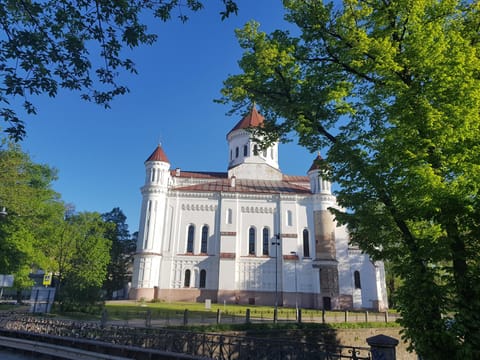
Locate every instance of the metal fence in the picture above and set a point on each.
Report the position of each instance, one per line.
(152, 317)
(213, 346)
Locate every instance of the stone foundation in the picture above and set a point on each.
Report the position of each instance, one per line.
(305, 300)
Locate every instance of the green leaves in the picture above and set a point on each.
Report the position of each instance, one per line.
(391, 90)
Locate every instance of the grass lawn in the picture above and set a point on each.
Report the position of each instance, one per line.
(121, 310)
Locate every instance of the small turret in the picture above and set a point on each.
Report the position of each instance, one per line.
(246, 159)
(151, 226)
(318, 183)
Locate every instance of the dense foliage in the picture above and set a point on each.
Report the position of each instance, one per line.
(84, 251)
(76, 45)
(119, 270)
(391, 91)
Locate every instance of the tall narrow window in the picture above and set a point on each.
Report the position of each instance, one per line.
(266, 237)
(245, 150)
(236, 152)
(190, 237)
(204, 244)
(229, 216)
(251, 241)
(306, 244)
(289, 218)
(203, 278)
(255, 149)
(356, 280)
(186, 280)
(264, 153)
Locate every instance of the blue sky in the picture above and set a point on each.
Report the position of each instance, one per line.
(100, 153)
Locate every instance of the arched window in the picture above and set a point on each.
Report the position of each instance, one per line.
(289, 218)
(356, 280)
(186, 280)
(251, 241)
(271, 153)
(229, 216)
(306, 243)
(203, 278)
(231, 154)
(264, 153)
(255, 149)
(204, 243)
(266, 238)
(190, 237)
(245, 150)
(236, 152)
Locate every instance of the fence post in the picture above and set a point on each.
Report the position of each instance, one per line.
(323, 316)
(275, 315)
(185, 317)
(247, 316)
(219, 316)
(382, 347)
(386, 316)
(148, 319)
(103, 320)
(346, 316)
(366, 316)
(299, 315)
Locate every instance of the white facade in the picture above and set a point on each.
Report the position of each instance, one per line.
(216, 236)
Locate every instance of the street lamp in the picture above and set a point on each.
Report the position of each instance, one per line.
(276, 243)
(296, 288)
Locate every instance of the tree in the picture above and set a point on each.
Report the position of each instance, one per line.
(391, 90)
(87, 257)
(121, 252)
(33, 210)
(54, 44)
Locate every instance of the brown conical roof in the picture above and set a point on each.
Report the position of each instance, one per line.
(158, 155)
(316, 165)
(252, 119)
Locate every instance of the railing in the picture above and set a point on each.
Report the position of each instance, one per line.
(155, 317)
(214, 346)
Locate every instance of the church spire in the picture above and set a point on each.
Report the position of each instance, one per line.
(252, 119)
(158, 155)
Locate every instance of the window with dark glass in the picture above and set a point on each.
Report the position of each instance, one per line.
(266, 237)
(190, 237)
(236, 152)
(306, 244)
(203, 278)
(356, 280)
(186, 280)
(245, 150)
(251, 241)
(203, 249)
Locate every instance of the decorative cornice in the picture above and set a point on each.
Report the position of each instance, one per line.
(258, 209)
(147, 253)
(192, 254)
(153, 189)
(199, 207)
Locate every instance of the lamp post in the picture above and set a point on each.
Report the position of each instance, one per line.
(276, 243)
(296, 288)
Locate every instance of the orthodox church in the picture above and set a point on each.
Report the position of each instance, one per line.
(250, 235)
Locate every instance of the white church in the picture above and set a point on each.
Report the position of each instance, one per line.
(251, 235)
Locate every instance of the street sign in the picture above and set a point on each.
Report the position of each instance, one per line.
(47, 279)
